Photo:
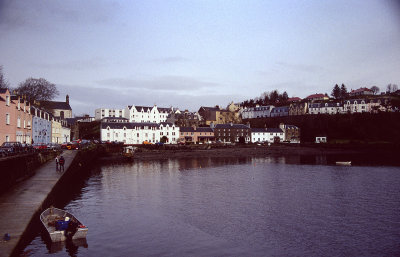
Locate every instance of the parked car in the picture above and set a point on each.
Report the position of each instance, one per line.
(147, 142)
(160, 143)
(39, 146)
(53, 146)
(3, 153)
(12, 147)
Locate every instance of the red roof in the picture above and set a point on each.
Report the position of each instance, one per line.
(361, 90)
(294, 99)
(315, 96)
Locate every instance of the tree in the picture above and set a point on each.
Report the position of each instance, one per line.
(375, 89)
(3, 82)
(37, 89)
(391, 88)
(336, 92)
(284, 97)
(343, 91)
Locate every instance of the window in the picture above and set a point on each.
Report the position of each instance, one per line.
(19, 122)
(7, 118)
(7, 100)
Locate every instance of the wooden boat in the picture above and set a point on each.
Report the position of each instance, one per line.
(62, 225)
(348, 163)
(128, 151)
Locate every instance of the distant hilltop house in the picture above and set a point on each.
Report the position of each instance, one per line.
(317, 97)
(361, 91)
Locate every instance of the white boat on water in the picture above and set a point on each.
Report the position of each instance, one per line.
(62, 225)
(348, 163)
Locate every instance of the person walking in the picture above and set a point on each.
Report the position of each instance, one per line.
(57, 161)
(61, 161)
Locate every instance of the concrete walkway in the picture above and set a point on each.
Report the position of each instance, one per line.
(20, 203)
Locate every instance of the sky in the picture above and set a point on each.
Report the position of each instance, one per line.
(187, 53)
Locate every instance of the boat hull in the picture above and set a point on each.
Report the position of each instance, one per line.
(48, 218)
(344, 163)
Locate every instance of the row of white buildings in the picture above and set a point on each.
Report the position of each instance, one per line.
(349, 106)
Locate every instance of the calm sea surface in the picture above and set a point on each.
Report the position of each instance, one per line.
(233, 207)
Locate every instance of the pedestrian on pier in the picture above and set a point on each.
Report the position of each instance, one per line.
(61, 161)
(57, 161)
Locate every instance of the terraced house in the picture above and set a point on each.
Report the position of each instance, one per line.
(121, 130)
(232, 133)
(15, 118)
(196, 135)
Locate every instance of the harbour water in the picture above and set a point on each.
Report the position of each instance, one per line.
(232, 207)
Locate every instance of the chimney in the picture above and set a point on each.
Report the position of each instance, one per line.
(67, 99)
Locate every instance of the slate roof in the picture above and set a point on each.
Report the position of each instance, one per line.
(210, 108)
(3, 90)
(274, 130)
(294, 99)
(199, 129)
(230, 126)
(53, 105)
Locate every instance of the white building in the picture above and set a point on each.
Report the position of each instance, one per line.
(141, 114)
(101, 113)
(41, 126)
(121, 130)
(257, 112)
(260, 135)
(355, 106)
(325, 108)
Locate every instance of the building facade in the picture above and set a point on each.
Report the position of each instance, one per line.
(15, 118)
(196, 135)
(121, 130)
(41, 126)
(142, 114)
(267, 135)
(232, 133)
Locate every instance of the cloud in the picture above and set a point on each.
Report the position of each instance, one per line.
(171, 59)
(78, 65)
(85, 99)
(37, 13)
(163, 83)
(300, 67)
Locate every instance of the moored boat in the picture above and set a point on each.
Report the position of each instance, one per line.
(348, 163)
(62, 225)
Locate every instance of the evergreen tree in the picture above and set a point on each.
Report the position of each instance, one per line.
(336, 92)
(343, 91)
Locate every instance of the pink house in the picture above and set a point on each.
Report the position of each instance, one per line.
(15, 118)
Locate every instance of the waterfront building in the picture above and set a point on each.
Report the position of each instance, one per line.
(121, 130)
(267, 135)
(15, 117)
(291, 132)
(184, 119)
(196, 135)
(60, 132)
(142, 114)
(231, 133)
(41, 125)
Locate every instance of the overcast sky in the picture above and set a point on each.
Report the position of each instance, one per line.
(189, 54)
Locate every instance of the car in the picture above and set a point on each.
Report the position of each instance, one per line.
(147, 142)
(12, 147)
(160, 143)
(39, 146)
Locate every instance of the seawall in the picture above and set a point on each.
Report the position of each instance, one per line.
(21, 205)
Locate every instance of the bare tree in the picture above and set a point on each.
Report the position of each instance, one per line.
(375, 89)
(3, 82)
(37, 89)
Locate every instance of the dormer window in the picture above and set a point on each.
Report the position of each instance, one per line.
(7, 100)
